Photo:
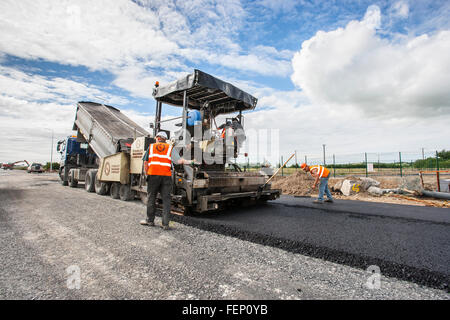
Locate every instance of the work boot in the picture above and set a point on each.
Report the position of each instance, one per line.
(147, 223)
(329, 200)
(318, 201)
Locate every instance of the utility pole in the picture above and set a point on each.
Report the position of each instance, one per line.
(51, 155)
(324, 155)
(296, 166)
(423, 155)
(51, 151)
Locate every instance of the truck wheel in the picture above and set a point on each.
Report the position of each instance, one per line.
(126, 193)
(61, 176)
(115, 190)
(72, 182)
(101, 188)
(89, 183)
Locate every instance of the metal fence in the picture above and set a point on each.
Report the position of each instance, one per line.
(363, 164)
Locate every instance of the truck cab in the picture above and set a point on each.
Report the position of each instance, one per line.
(74, 155)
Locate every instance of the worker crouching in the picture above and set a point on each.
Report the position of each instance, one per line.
(321, 174)
(158, 164)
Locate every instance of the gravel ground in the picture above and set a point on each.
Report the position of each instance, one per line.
(46, 228)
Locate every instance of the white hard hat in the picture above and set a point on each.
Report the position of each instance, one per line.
(162, 134)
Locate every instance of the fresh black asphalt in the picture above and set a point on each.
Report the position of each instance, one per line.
(407, 242)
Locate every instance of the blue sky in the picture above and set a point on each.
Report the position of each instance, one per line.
(357, 75)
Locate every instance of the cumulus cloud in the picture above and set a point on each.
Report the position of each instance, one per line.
(90, 33)
(26, 128)
(102, 36)
(353, 67)
(37, 88)
(31, 106)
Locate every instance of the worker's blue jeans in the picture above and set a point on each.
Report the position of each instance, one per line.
(323, 188)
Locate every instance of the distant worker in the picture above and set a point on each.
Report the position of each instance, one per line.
(158, 167)
(320, 173)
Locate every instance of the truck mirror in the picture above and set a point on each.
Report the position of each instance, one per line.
(151, 125)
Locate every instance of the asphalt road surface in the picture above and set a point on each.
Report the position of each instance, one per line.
(407, 242)
(64, 243)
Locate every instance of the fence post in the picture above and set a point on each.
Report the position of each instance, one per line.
(282, 169)
(437, 161)
(400, 157)
(334, 166)
(437, 173)
(365, 155)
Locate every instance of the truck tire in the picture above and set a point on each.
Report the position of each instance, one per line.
(61, 176)
(89, 181)
(115, 190)
(101, 188)
(72, 182)
(126, 193)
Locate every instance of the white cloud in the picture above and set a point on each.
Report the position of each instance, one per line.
(400, 9)
(353, 68)
(32, 87)
(102, 36)
(372, 18)
(31, 106)
(25, 128)
(304, 126)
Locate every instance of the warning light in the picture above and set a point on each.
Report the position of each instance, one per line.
(246, 154)
(157, 84)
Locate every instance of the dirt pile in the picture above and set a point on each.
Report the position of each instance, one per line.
(298, 183)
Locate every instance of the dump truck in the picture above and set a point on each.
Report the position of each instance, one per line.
(213, 180)
(103, 138)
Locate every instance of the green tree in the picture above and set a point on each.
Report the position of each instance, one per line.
(55, 166)
(444, 155)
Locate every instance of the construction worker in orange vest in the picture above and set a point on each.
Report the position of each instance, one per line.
(158, 167)
(320, 173)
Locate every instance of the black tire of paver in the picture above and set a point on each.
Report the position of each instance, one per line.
(115, 190)
(101, 188)
(126, 193)
(89, 182)
(72, 182)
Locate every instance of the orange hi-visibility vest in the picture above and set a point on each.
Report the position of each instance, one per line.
(159, 159)
(322, 172)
